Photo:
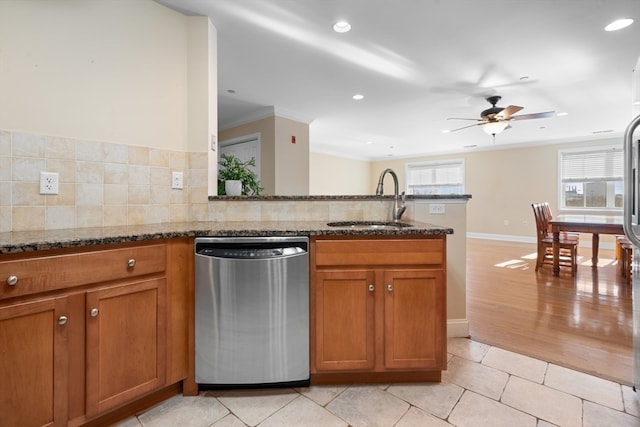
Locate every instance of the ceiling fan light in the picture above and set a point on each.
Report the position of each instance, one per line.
(494, 128)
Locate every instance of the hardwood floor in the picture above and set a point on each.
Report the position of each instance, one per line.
(582, 322)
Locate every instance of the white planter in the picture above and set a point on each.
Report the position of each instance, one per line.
(233, 187)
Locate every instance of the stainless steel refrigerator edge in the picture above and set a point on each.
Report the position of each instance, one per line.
(252, 311)
(632, 230)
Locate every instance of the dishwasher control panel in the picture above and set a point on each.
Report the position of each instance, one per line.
(250, 253)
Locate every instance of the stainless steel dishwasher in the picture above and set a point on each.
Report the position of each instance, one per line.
(252, 311)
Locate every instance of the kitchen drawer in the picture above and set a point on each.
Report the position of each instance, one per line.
(373, 252)
(46, 273)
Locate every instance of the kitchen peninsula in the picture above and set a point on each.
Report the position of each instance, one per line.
(75, 291)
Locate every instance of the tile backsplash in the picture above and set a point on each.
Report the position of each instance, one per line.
(100, 183)
(106, 184)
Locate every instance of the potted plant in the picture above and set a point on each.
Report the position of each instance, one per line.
(233, 169)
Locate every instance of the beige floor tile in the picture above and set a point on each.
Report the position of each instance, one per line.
(368, 406)
(543, 402)
(254, 406)
(482, 379)
(129, 422)
(229, 421)
(516, 364)
(417, 417)
(585, 386)
(322, 394)
(467, 349)
(631, 401)
(543, 423)
(186, 411)
(303, 412)
(437, 399)
(597, 416)
(475, 410)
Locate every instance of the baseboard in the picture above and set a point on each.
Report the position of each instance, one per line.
(457, 328)
(584, 243)
(503, 237)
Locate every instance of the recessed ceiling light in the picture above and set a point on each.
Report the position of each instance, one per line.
(446, 131)
(358, 97)
(619, 24)
(562, 114)
(341, 27)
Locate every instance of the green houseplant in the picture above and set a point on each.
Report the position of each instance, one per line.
(232, 168)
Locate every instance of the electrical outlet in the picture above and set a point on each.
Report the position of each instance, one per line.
(436, 208)
(48, 183)
(176, 180)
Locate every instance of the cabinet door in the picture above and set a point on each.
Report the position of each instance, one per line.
(415, 313)
(33, 363)
(126, 343)
(344, 323)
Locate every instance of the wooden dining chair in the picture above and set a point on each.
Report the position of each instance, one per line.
(548, 216)
(624, 256)
(568, 245)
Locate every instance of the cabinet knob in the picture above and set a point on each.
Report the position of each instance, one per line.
(12, 280)
(390, 288)
(62, 320)
(371, 288)
(93, 312)
(131, 263)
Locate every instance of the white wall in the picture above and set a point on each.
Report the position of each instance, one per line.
(96, 70)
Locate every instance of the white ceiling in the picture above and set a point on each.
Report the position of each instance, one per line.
(418, 62)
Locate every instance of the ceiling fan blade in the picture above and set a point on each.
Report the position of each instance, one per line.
(464, 118)
(464, 127)
(534, 116)
(506, 113)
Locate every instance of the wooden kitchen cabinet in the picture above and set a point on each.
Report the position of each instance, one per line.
(125, 343)
(85, 332)
(344, 313)
(34, 363)
(378, 310)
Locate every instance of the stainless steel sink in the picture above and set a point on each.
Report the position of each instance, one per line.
(369, 224)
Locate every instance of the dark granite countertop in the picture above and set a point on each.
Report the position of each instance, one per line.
(29, 241)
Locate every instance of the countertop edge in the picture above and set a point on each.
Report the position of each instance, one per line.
(338, 198)
(32, 241)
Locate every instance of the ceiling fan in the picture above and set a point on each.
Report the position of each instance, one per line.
(496, 119)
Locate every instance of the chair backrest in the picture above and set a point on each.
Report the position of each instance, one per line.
(541, 223)
(548, 216)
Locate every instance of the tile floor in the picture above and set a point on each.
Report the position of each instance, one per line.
(483, 386)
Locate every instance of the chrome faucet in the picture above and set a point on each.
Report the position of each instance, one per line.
(398, 208)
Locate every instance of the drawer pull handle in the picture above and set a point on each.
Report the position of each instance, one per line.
(94, 312)
(12, 280)
(131, 263)
(62, 320)
(371, 288)
(390, 288)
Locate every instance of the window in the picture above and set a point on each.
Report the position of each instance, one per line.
(591, 179)
(439, 177)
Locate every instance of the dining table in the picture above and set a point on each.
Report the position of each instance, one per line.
(594, 224)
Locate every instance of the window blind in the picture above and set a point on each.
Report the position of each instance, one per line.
(431, 177)
(599, 165)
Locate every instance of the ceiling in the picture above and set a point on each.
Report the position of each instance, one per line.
(419, 62)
